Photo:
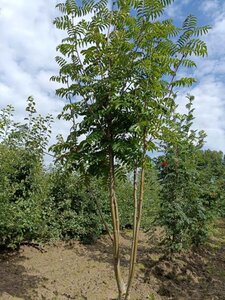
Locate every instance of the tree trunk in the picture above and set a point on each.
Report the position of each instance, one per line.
(116, 227)
(137, 220)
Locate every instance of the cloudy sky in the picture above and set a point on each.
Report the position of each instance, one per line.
(27, 50)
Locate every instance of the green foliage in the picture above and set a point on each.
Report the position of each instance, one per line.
(125, 201)
(187, 207)
(151, 204)
(25, 211)
(211, 168)
(6, 121)
(75, 205)
(33, 134)
(151, 199)
(112, 70)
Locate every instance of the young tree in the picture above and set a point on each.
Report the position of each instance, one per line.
(118, 67)
(182, 210)
(192, 182)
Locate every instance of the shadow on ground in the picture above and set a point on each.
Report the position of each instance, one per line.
(15, 282)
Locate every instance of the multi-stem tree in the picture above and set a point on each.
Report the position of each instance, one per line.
(118, 67)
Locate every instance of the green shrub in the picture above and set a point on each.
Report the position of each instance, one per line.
(75, 205)
(25, 210)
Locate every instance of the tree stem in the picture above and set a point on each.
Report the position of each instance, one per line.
(116, 226)
(137, 219)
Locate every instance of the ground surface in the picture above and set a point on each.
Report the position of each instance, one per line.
(75, 271)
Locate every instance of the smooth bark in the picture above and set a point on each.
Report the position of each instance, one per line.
(137, 219)
(116, 227)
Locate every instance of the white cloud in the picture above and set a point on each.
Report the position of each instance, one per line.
(210, 91)
(209, 108)
(27, 45)
(175, 10)
(212, 7)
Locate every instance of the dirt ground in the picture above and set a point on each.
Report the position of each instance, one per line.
(75, 271)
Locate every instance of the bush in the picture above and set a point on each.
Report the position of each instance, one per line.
(77, 204)
(25, 211)
(36, 205)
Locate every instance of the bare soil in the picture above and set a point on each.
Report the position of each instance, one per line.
(76, 271)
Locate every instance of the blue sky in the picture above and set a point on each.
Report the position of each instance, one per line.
(27, 46)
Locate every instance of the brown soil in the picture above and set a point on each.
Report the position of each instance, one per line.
(75, 271)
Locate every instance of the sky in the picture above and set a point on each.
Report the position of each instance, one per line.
(28, 41)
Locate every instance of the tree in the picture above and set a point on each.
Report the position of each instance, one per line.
(192, 184)
(25, 210)
(118, 68)
(182, 210)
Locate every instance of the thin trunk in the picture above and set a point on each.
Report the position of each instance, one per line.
(116, 226)
(137, 221)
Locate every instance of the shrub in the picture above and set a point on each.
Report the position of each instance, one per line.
(77, 205)
(25, 211)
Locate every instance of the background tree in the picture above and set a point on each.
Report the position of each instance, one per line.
(188, 188)
(25, 208)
